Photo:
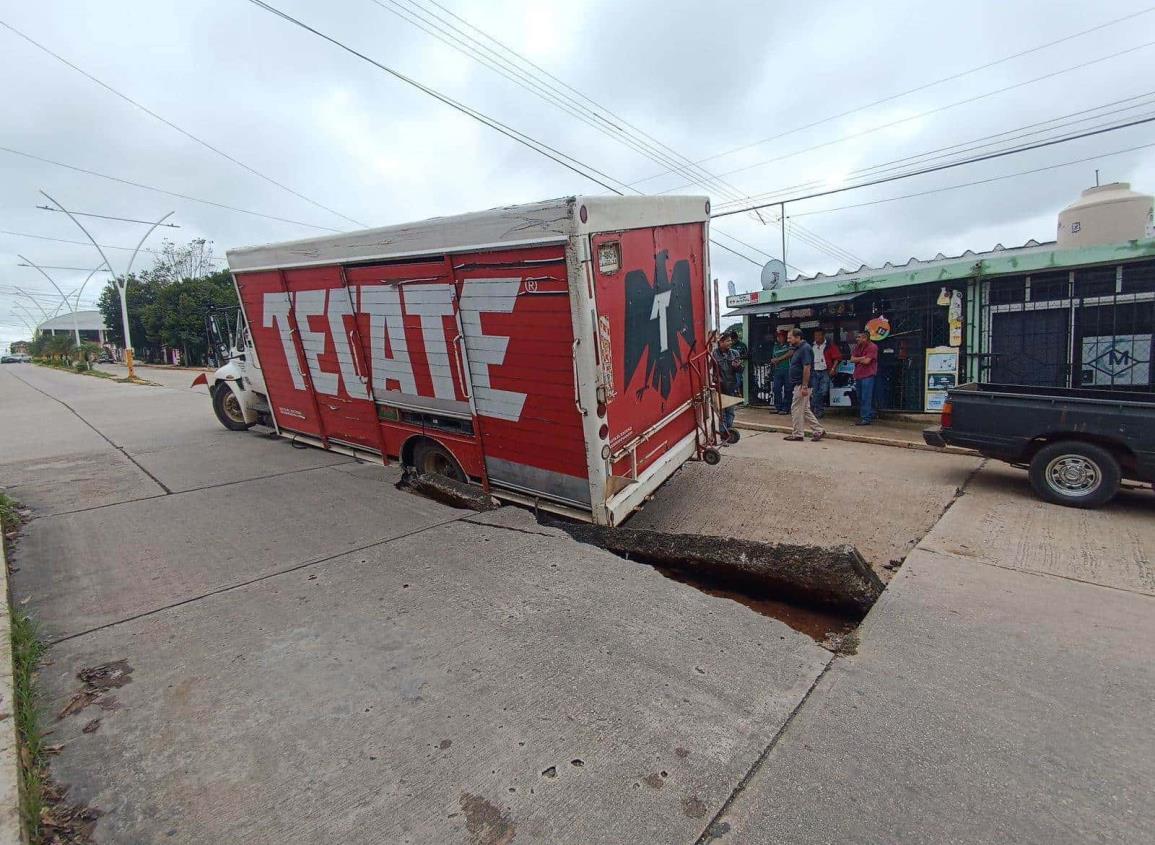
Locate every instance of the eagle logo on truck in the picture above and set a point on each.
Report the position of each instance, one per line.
(657, 315)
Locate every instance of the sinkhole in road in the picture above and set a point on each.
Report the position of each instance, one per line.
(823, 592)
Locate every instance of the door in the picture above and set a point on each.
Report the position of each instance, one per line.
(303, 328)
(1030, 347)
(651, 314)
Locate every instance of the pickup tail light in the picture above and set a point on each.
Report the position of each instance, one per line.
(947, 414)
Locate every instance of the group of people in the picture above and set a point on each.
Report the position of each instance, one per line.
(802, 374)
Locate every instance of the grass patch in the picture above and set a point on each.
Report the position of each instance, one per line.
(27, 650)
(9, 514)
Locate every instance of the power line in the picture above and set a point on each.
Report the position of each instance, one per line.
(973, 145)
(937, 110)
(163, 190)
(569, 162)
(935, 169)
(976, 182)
(442, 29)
(85, 243)
(566, 161)
(916, 89)
(172, 125)
(423, 17)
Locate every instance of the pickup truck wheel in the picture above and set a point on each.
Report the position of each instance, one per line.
(228, 409)
(1079, 475)
(434, 459)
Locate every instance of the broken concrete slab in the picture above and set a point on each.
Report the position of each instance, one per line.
(828, 576)
(754, 495)
(469, 682)
(448, 491)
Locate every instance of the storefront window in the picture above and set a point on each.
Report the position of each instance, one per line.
(1139, 277)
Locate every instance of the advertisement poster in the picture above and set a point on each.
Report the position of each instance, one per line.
(941, 376)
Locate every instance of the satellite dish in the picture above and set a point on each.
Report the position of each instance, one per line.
(773, 274)
(733, 291)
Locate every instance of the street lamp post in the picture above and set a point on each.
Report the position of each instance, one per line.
(63, 298)
(121, 284)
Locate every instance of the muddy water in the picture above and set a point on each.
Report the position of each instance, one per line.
(817, 623)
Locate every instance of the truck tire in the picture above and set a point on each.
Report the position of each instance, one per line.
(228, 409)
(431, 458)
(1076, 474)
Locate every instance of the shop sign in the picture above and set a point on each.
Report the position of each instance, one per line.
(796, 314)
(751, 298)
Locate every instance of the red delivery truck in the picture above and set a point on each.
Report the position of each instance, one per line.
(556, 353)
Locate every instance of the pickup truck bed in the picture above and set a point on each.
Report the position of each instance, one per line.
(1077, 443)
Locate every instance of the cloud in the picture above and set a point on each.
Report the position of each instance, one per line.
(700, 80)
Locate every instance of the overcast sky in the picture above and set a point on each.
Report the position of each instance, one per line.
(701, 79)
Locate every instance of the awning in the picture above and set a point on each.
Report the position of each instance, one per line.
(790, 304)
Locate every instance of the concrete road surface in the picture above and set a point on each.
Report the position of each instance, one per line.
(295, 651)
(314, 656)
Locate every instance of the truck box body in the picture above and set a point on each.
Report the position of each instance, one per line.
(556, 350)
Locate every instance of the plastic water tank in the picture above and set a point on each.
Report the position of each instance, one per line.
(1106, 214)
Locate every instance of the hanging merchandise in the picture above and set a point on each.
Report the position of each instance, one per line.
(879, 328)
(954, 318)
(944, 296)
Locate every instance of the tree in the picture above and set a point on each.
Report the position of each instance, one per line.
(176, 319)
(175, 264)
(168, 302)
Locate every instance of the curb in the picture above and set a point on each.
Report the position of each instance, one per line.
(11, 829)
(863, 438)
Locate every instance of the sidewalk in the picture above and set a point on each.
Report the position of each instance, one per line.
(902, 432)
(1001, 692)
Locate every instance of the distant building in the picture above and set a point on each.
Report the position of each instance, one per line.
(18, 347)
(1076, 312)
(90, 324)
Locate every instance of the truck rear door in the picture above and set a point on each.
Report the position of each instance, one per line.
(651, 321)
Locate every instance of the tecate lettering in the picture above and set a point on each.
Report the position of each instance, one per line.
(387, 306)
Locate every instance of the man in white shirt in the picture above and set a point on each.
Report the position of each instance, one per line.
(826, 355)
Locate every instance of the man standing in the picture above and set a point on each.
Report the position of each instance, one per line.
(780, 361)
(826, 358)
(728, 364)
(801, 370)
(865, 359)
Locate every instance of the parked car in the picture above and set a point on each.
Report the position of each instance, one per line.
(17, 358)
(105, 358)
(1078, 444)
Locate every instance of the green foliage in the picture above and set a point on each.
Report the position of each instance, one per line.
(58, 347)
(167, 304)
(27, 651)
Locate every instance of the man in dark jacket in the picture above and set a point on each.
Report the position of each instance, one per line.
(801, 371)
(728, 364)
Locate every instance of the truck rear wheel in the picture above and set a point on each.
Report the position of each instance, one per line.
(431, 458)
(228, 409)
(1076, 474)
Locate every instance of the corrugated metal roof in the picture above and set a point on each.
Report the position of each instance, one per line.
(1029, 258)
(913, 263)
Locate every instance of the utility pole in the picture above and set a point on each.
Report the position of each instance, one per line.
(121, 282)
(782, 224)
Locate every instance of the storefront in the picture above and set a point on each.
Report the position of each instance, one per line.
(1027, 315)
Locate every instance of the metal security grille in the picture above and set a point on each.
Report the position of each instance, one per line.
(1087, 327)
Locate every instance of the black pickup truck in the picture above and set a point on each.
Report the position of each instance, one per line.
(1077, 444)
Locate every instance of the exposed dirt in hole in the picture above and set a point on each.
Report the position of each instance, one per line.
(821, 625)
